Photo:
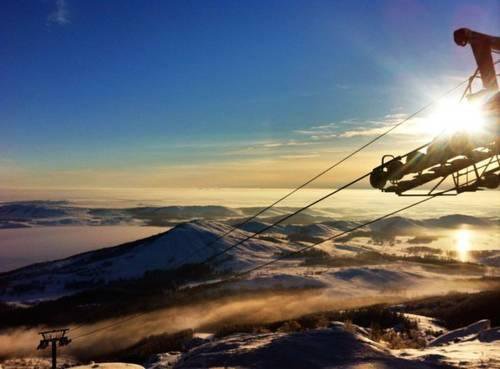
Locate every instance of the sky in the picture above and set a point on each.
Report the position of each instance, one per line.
(195, 94)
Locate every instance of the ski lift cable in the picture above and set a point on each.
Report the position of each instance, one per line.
(301, 209)
(260, 266)
(281, 257)
(109, 326)
(288, 216)
(214, 256)
(345, 158)
(343, 233)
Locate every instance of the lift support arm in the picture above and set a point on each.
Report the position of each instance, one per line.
(482, 47)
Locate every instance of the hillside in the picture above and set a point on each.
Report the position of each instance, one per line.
(353, 265)
(186, 243)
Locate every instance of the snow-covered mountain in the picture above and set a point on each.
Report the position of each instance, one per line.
(183, 212)
(193, 242)
(32, 210)
(60, 213)
(55, 213)
(187, 243)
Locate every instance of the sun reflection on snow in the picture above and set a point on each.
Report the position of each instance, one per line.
(463, 244)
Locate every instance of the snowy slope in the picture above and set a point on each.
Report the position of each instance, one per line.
(466, 333)
(192, 243)
(425, 323)
(338, 346)
(186, 243)
(108, 366)
(332, 347)
(474, 346)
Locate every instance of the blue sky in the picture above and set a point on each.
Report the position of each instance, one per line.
(215, 93)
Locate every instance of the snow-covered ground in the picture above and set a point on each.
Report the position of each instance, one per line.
(343, 346)
(332, 347)
(474, 346)
(426, 324)
(186, 243)
(193, 242)
(335, 346)
(338, 346)
(61, 213)
(109, 366)
(36, 362)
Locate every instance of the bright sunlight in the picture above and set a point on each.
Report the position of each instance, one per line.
(451, 116)
(463, 244)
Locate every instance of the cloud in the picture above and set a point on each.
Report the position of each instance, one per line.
(60, 15)
(362, 128)
(268, 148)
(286, 143)
(300, 156)
(363, 132)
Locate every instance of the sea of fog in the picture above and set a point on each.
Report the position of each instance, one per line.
(350, 203)
(19, 247)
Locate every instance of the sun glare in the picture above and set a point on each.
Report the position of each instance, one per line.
(463, 244)
(451, 116)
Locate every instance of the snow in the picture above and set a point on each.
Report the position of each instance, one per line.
(455, 220)
(36, 362)
(186, 243)
(163, 361)
(108, 366)
(466, 333)
(334, 346)
(470, 355)
(312, 222)
(60, 213)
(351, 281)
(193, 242)
(337, 346)
(426, 324)
(319, 348)
(474, 346)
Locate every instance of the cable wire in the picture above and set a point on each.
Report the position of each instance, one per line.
(343, 233)
(287, 217)
(345, 158)
(276, 259)
(217, 254)
(114, 324)
(300, 210)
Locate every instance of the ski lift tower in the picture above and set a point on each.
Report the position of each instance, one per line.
(53, 338)
(473, 163)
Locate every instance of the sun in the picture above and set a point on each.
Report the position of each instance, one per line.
(451, 116)
(463, 244)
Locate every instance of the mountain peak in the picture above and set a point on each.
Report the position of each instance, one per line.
(187, 243)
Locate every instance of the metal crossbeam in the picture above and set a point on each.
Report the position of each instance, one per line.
(53, 338)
